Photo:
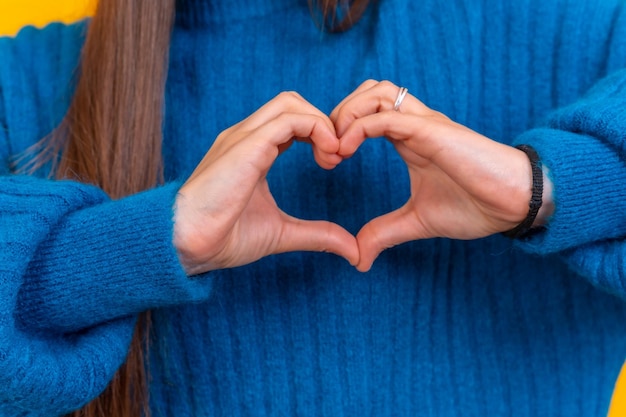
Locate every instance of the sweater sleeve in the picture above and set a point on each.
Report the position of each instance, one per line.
(75, 266)
(584, 147)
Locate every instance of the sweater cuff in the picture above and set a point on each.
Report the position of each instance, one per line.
(108, 261)
(589, 182)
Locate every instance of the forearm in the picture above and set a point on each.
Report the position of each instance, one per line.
(107, 261)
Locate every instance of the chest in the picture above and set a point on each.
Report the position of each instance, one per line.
(497, 67)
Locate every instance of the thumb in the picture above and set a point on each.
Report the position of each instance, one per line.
(384, 232)
(318, 236)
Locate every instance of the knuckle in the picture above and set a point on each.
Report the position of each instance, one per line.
(223, 136)
(289, 96)
(387, 84)
(369, 82)
(229, 131)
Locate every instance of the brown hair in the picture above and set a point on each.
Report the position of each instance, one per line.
(337, 15)
(111, 136)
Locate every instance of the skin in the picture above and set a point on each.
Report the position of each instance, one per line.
(225, 215)
(463, 185)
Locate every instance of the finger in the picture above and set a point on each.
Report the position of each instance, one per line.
(318, 236)
(379, 98)
(289, 102)
(384, 232)
(281, 130)
(255, 125)
(459, 151)
(389, 124)
(324, 160)
(365, 85)
(261, 147)
(425, 135)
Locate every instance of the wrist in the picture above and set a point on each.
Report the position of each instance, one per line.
(181, 238)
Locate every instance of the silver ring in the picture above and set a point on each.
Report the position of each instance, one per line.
(401, 95)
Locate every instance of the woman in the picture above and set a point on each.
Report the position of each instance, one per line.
(459, 320)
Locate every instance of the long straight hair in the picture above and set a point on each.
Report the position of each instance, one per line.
(111, 136)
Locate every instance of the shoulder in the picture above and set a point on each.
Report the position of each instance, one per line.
(54, 39)
(36, 71)
(40, 58)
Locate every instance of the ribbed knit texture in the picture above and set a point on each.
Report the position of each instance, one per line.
(437, 328)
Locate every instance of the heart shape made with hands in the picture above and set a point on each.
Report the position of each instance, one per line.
(462, 184)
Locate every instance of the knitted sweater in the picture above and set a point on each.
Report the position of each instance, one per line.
(436, 328)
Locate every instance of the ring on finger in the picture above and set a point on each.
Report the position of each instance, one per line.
(401, 94)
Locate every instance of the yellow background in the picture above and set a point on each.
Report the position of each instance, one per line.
(17, 13)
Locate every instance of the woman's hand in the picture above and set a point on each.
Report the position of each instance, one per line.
(463, 185)
(225, 215)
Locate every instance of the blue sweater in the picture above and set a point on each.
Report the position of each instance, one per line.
(437, 328)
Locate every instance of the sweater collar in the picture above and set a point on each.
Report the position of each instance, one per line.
(195, 13)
